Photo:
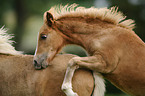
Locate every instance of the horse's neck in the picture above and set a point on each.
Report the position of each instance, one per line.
(83, 31)
(94, 33)
(80, 25)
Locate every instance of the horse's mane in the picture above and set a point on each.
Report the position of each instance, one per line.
(6, 44)
(110, 15)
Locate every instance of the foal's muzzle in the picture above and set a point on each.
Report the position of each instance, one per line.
(41, 65)
(40, 61)
(37, 65)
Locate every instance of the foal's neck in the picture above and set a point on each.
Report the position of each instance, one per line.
(83, 31)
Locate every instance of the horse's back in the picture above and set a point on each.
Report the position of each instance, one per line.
(13, 75)
(83, 82)
(19, 78)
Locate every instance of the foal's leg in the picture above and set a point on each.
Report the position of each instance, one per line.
(67, 85)
(94, 63)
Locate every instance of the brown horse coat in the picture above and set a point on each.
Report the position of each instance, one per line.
(19, 78)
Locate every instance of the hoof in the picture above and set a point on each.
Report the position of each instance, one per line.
(67, 89)
(75, 94)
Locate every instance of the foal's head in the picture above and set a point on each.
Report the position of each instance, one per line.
(49, 43)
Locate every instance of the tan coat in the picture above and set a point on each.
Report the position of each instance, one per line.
(19, 78)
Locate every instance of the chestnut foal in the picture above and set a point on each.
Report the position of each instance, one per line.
(115, 51)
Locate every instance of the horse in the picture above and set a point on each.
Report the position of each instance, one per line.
(19, 77)
(115, 51)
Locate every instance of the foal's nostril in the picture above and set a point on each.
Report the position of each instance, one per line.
(35, 63)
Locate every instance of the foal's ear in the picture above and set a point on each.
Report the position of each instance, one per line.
(48, 18)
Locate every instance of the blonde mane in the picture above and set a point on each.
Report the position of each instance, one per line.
(6, 44)
(110, 15)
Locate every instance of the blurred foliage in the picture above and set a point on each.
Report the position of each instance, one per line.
(25, 17)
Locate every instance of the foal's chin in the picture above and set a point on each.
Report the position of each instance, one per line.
(45, 64)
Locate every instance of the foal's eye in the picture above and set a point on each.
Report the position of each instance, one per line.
(43, 36)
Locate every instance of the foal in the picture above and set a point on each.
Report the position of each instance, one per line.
(115, 51)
